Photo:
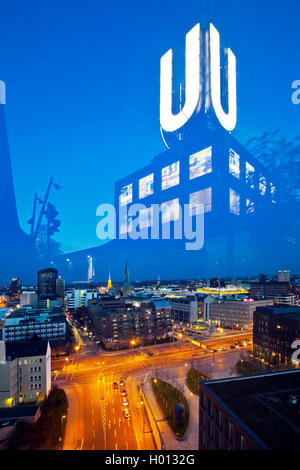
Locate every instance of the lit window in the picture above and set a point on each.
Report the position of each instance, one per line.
(200, 163)
(234, 163)
(146, 186)
(170, 211)
(273, 193)
(126, 195)
(262, 185)
(250, 175)
(198, 199)
(234, 201)
(249, 206)
(145, 218)
(170, 176)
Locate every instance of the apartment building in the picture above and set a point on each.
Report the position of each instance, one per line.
(25, 372)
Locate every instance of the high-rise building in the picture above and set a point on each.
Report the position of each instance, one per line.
(60, 288)
(284, 276)
(47, 281)
(126, 283)
(15, 285)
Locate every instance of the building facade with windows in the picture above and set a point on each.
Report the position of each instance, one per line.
(129, 327)
(24, 323)
(235, 314)
(184, 309)
(250, 413)
(275, 329)
(25, 372)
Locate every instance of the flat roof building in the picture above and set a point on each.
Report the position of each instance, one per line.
(257, 412)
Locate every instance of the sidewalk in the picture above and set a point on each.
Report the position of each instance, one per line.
(191, 440)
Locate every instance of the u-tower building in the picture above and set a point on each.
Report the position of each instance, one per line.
(205, 168)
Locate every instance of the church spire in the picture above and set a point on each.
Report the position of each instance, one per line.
(109, 284)
(126, 283)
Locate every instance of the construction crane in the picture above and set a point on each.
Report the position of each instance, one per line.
(47, 210)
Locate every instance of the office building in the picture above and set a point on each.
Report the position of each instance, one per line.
(47, 281)
(274, 331)
(268, 289)
(78, 298)
(26, 322)
(259, 412)
(25, 372)
(15, 286)
(28, 298)
(60, 288)
(235, 314)
(284, 276)
(184, 309)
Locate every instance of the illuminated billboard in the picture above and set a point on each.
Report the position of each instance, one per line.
(234, 163)
(170, 176)
(200, 163)
(146, 186)
(198, 199)
(126, 195)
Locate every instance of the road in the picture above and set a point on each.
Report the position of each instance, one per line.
(95, 416)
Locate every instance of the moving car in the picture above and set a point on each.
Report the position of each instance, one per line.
(115, 385)
(232, 347)
(122, 383)
(126, 413)
(223, 349)
(125, 401)
(124, 393)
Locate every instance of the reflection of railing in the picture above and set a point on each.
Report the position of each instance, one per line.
(155, 430)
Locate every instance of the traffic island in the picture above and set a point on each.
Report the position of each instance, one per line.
(194, 377)
(167, 397)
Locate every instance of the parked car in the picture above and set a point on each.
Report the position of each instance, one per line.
(115, 385)
(126, 413)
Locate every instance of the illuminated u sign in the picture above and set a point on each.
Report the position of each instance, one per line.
(193, 90)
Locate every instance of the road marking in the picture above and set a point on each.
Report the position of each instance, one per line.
(115, 433)
(127, 445)
(116, 446)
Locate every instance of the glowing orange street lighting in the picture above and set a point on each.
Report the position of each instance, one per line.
(132, 342)
(77, 348)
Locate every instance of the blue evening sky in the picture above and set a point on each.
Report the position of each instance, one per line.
(83, 89)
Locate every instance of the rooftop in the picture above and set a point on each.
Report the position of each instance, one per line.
(16, 349)
(262, 403)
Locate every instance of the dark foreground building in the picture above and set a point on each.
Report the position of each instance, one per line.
(251, 413)
(275, 329)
